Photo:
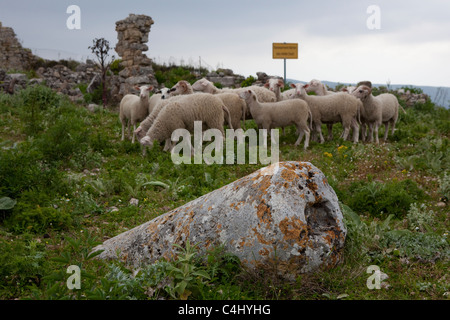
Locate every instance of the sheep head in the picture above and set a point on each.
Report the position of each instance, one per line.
(300, 89)
(247, 95)
(362, 92)
(203, 85)
(144, 91)
(165, 93)
(146, 141)
(181, 87)
(274, 85)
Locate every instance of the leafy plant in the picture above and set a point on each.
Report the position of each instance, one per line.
(185, 274)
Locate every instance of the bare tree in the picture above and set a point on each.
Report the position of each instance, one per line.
(100, 48)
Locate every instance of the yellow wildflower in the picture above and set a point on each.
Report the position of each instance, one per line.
(327, 154)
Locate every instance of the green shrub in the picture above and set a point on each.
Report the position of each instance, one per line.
(380, 199)
(248, 81)
(65, 138)
(426, 247)
(22, 169)
(36, 100)
(22, 264)
(26, 218)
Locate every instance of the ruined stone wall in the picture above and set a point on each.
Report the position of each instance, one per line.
(132, 35)
(12, 55)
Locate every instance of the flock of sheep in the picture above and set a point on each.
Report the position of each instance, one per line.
(179, 107)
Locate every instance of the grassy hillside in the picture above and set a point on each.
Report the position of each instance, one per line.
(67, 181)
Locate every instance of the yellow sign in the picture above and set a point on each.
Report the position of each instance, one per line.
(285, 51)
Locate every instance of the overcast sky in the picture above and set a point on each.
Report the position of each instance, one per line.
(411, 46)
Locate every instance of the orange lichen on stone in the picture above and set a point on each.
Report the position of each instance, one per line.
(264, 252)
(263, 212)
(260, 237)
(289, 175)
(293, 229)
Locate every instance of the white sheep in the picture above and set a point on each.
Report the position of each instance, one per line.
(339, 107)
(159, 95)
(134, 109)
(275, 86)
(377, 110)
(348, 89)
(182, 87)
(270, 115)
(319, 88)
(234, 104)
(182, 113)
(204, 85)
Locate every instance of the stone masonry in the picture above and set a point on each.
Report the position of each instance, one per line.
(132, 35)
(12, 55)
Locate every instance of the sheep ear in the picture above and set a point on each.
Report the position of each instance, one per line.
(281, 83)
(137, 88)
(293, 86)
(150, 88)
(266, 85)
(306, 86)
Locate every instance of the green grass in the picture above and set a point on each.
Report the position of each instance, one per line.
(67, 181)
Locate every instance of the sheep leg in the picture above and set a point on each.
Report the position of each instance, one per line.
(123, 132)
(363, 132)
(168, 145)
(375, 132)
(330, 131)
(319, 131)
(386, 131)
(134, 134)
(346, 132)
(355, 127)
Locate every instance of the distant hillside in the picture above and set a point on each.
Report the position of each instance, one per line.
(439, 95)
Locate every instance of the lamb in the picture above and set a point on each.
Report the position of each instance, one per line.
(377, 110)
(339, 107)
(280, 114)
(134, 109)
(182, 113)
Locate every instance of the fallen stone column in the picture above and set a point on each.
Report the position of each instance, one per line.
(285, 214)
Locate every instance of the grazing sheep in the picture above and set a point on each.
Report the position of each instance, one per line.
(377, 110)
(145, 125)
(134, 109)
(159, 95)
(182, 113)
(270, 115)
(339, 107)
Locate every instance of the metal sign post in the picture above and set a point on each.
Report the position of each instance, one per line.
(285, 51)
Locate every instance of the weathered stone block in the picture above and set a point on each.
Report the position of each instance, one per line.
(285, 215)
